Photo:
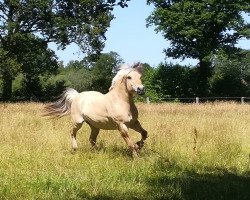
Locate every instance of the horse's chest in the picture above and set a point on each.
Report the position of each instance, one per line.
(130, 117)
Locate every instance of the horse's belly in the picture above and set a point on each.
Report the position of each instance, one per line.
(101, 122)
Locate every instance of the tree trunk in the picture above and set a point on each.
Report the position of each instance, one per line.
(7, 87)
(204, 73)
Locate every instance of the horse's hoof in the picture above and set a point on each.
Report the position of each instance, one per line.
(139, 144)
(94, 148)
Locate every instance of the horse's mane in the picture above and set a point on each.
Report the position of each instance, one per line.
(122, 71)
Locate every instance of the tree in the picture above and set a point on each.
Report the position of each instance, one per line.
(149, 83)
(103, 71)
(174, 81)
(231, 74)
(62, 21)
(36, 60)
(196, 29)
(9, 68)
(78, 76)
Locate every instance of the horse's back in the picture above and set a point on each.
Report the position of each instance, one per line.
(93, 107)
(89, 100)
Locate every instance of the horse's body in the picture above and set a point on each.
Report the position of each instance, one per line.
(111, 111)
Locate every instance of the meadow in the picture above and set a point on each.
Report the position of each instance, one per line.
(193, 152)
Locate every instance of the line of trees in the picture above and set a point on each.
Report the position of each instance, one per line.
(230, 77)
(206, 30)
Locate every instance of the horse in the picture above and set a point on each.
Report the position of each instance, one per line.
(114, 110)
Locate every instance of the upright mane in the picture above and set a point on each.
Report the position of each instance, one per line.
(123, 70)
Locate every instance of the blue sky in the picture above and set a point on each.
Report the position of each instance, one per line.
(129, 37)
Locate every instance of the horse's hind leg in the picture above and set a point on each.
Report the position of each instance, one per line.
(93, 135)
(77, 121)
(75, 128)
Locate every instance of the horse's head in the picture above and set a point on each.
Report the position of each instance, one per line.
(133, 80)
(131, 76)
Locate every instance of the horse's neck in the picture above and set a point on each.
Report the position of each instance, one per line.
(121, 93)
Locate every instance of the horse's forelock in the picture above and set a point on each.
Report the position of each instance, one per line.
(138, 67)
(135, 66)
(123, 66)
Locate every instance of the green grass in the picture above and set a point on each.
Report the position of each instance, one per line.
(193, 152)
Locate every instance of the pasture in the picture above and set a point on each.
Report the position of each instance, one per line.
(193, 152)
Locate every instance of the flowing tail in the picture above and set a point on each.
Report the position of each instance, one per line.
(62, 106)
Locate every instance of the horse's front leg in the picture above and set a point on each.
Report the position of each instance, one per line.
(124, 133)
(144, 134)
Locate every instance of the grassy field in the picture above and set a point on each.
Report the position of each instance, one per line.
(193, 152)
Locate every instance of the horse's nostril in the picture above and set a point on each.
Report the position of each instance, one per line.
(140, 90)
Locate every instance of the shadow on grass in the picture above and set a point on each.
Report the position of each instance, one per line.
(171, 181)
(214, 184)
(190, 186)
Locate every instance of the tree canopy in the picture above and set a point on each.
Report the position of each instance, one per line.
(83, 22)
(197, 29)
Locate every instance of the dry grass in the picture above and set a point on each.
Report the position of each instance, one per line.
(193, 152)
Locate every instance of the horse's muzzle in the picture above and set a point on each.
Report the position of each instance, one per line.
(140, 90)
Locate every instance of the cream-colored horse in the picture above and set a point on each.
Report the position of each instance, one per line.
(114, 110)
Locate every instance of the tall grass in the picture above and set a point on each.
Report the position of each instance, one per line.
(193, 152)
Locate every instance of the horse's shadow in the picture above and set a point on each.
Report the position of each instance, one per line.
(102, 148)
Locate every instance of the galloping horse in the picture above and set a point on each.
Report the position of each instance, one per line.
(110, 111)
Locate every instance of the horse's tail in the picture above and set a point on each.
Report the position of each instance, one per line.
(62, 106)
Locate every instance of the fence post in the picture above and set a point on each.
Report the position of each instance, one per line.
(242, 100)
(148, 101)
(197, 100)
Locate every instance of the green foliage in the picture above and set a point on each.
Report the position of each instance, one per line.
(103, 71)
(36, 60)
(196, 29)
(52, 88)
(17, 86)
(77, 76)
(44, 88)
(230, 78)
(175, 80)
(231, 75)
(9, 68)
(149, 83)
(168, 80)
(83, 22)
(37, 82)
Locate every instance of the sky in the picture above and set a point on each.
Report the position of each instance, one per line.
(129, 37)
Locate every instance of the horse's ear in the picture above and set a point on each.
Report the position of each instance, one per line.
(139, 67)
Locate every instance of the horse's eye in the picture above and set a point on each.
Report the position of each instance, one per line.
(129, 77)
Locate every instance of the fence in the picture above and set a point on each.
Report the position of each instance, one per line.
(198, 100)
